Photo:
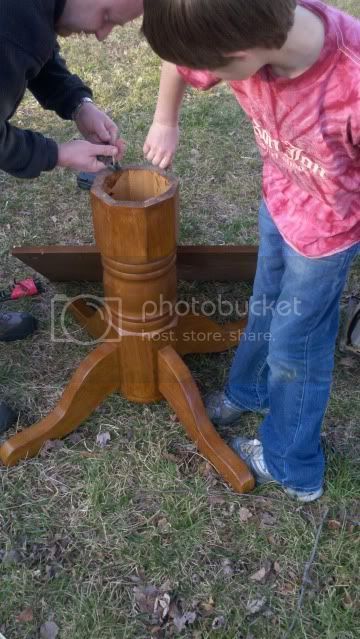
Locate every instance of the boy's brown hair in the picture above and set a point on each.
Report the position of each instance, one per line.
(198, 33)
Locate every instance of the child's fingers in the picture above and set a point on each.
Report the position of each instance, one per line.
(151, 154)
(158, 158)
(166, 161)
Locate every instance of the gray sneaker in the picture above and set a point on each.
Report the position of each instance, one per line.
(221, 410)
(251, 452)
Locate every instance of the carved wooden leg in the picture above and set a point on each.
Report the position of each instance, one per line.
(199, 334)
(96, 321)
(96, 377)
(178, 387)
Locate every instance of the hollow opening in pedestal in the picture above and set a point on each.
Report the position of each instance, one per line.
(136, 185)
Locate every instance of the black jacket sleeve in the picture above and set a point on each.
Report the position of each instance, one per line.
(56, 88)
(24, 154)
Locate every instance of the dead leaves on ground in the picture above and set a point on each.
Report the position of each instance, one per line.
(46, 559)
(162, 609)
(165, 613)
(25, 616)
(48, 630)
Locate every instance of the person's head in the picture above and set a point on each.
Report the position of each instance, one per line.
(97, 16)
(230, 37)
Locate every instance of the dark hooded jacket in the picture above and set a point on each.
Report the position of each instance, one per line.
(30, 59)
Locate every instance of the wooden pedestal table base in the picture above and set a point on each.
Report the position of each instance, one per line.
(139, 354)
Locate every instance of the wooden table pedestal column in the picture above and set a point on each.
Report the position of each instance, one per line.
(139, 337)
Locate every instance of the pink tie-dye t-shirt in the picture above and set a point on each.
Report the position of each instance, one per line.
(308, 132)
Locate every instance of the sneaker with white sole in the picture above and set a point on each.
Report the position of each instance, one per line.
(251, 452)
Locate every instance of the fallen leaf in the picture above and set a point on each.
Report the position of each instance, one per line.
(259, 575)
(51, 445)
(49, 630)
(163, 525)
(167, 585)
(154, 602)
(348, 602)
(287, 588)
(161, 605)
(227, 567)
(245, 514)
(54, 218)
(74, 438)
(25, 616)
(255, 605)
(170, 457)
(102, 439)
(207, 607)
(182, 621)
(277, 567)
(216, 500)
(145, 597)
(206, 469)
(263, 573)
(267, 519)
(334, 524)
(218, 622)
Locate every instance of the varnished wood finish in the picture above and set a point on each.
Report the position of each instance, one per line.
(135, 221)
(97, 377)
(96, 321)
(83, 263)
(178, 387)
(197, 334)
(135, 216)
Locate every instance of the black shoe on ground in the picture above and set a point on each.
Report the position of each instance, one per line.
(7, 417)
(15, 326)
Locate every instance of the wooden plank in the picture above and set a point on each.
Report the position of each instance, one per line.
(83, 263)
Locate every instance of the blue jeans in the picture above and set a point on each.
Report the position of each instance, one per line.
(285, 359)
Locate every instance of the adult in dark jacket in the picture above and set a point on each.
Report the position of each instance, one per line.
(30, 59)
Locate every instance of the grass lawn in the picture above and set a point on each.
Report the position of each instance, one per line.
(91, 537)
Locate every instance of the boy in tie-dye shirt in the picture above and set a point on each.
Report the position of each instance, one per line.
(294, 67)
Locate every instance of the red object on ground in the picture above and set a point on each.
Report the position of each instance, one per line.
(25, 288)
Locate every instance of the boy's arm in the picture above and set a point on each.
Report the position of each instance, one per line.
(163, 137)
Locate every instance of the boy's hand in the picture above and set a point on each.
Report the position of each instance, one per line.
(80, 155)
(160, 144)
(98, 128)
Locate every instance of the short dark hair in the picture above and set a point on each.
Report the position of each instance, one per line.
(198, 33)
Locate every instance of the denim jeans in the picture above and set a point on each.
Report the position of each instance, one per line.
(284, 363)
